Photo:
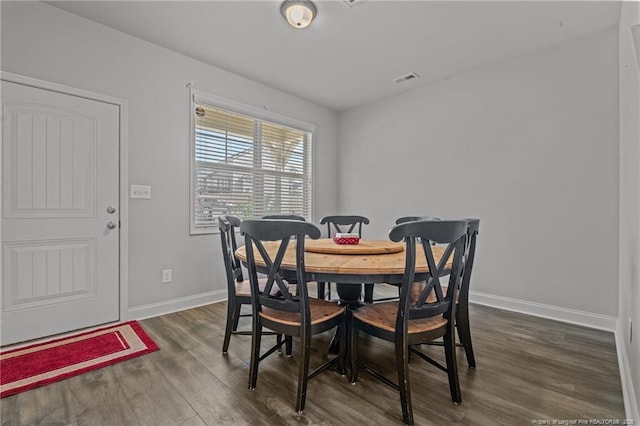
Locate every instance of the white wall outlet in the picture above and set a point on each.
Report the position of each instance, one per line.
(140, 191)
(166, 276)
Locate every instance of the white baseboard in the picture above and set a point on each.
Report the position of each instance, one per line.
(587, 319)
(175, 305)
(628, 391)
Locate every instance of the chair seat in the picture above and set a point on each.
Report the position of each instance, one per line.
(417, 288)
(243, 288)
(383, 315)
(321, 311)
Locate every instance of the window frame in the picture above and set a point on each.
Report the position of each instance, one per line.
(199, 96)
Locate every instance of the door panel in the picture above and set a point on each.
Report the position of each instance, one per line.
(60, 177)
(60, 158)
(46, 272)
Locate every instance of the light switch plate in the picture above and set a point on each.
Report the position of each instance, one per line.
(140, 191)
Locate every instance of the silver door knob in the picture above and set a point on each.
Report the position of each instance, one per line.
(111, 210)
(111, 225)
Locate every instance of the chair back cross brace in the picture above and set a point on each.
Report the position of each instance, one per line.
(450, 260)
(285, 301)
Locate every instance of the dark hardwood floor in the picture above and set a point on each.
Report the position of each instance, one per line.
(528, 369)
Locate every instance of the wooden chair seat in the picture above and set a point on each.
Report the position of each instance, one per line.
(243, 288)
(383, 316)
(321, 311)
(417, 289)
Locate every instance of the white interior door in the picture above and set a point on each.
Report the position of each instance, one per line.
(60, 215)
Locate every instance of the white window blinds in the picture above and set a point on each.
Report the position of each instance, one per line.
(247, 166)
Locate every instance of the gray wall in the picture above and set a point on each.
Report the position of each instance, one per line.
(533, 142)
(530, 146)
(44, 42)
(630, 199)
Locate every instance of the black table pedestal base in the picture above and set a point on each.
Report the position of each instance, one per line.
(350, 297)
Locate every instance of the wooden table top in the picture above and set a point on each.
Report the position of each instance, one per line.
(345, 264)
(328, 246)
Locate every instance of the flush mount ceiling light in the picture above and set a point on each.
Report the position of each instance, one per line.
(298, 13)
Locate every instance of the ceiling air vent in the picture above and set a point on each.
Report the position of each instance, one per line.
(352, 3)
(407, 77)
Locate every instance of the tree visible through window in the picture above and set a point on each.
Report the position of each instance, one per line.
(247, 167)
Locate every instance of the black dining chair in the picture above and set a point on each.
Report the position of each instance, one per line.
(462, 310)
(289, 314)
(462, 301)
(411, 322)
(238, 290)
(344, 224)
(284, 216)
(400, 220)
(404, 219)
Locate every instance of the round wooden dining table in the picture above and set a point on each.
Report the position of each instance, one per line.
(370, 261)
(346, 265)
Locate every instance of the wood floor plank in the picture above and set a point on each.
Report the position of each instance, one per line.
(97, 398)
(45, 405)
(528, 368)
(146, 388)
(210, 398)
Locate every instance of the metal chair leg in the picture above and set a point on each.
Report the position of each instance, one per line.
(402, 360)
(288, 344)
(255, 354)
(303, 372)
(354, 354)
(321, 294)
(452, 366)
(342, 330)
(233, 315)
(368, 293)
(464, 331)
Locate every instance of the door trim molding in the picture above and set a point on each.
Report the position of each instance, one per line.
(123, 108)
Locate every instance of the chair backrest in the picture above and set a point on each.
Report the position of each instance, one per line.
(414, 218)
(284, 216)
(286, 232)
(227, 226)
(343, 223)
(473, 225)
(419, 237)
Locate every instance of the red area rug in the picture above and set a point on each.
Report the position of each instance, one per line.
(43, 363)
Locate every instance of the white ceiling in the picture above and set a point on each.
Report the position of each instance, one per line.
(351, 54)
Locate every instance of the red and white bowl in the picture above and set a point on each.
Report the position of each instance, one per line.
(346, 239)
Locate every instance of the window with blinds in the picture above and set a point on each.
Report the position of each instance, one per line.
(247, 166)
